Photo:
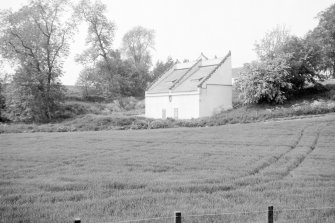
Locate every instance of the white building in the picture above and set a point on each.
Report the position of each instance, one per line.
(191, 90)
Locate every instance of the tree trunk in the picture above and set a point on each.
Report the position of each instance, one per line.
(113, 88)
(48, 96)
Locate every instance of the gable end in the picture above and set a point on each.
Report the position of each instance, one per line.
(215, 69)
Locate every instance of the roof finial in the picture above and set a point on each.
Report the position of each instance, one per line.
(202, 57)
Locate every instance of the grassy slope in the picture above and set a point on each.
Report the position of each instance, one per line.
(94, 116)
(77, 115)
(100, 117)
(120, 175)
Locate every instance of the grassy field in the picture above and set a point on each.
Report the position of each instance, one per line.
(112, 176)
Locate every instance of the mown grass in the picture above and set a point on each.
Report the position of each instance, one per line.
(120, 175)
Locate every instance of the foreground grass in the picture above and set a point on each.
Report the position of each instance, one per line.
(121, 175)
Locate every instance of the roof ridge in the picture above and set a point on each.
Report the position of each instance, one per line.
(161, 75)
(215, 69)
(203, 55)
(175, 83)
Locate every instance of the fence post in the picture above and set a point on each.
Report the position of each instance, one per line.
(177, 217)
(77, 220)
(270, 214)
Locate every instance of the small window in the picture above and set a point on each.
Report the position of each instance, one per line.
(164, 114)
(170, 98)
(175, 113)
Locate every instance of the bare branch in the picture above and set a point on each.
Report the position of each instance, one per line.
(22, 43)
(58, 49)
(40, 28)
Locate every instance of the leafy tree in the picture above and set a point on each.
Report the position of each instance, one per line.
(302, 62)
(271, 44)
(137, 44)
(93, 80)
(2, 90)
(323, 39)
(285, 65)
(100, 31)
(2, 96)
(36, 38)
(264, 81)
(87, 81)
(26, 97)
(100, 53)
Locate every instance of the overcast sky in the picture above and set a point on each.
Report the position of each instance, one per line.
(185, 28)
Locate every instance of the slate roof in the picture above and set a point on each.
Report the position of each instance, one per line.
(191, 83)
(188, 76)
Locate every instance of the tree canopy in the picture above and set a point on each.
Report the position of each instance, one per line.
(137, 44)
(322, 38)
(286, 64)
(36, 38)
(105, 70)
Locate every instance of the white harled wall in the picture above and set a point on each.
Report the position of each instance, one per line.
(214, 99)
(216, 92)
(186, 103)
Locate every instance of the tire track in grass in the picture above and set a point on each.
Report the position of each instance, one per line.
(262, 174)
(292, 159)
(300, 160)
(275, 159)
(295, 158)
(280, 167)
(251, 179)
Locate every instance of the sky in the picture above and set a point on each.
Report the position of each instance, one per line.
(185, 28)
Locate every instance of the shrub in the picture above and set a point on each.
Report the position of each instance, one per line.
(157, 124)
(140, 105)
(264, 82)
(114, 106)
(185, 123)
(124, 121)
(139, 124)
(128, 103)
(331, 94)
(65, 129)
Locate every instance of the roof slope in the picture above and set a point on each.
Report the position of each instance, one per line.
(192, 82)
(187, 76)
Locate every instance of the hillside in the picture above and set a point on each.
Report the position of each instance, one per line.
(128, 113)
